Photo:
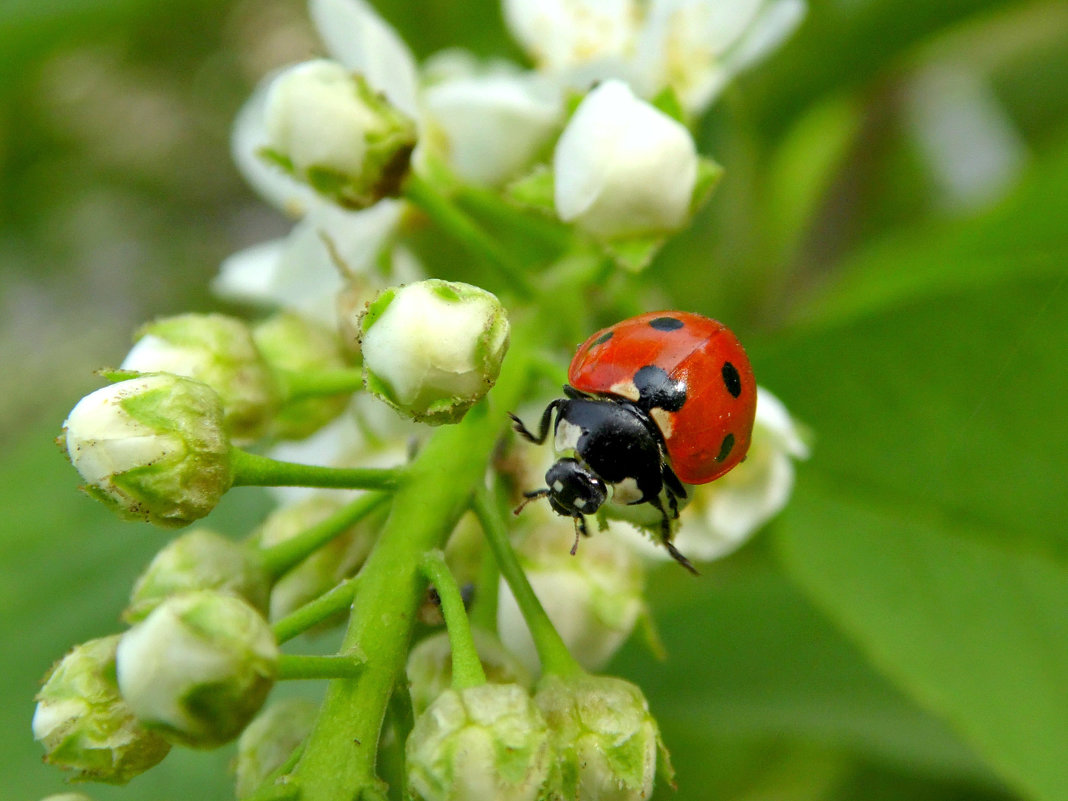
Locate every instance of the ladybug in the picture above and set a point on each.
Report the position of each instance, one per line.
(654, 402)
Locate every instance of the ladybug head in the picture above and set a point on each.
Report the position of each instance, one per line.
(574, 489)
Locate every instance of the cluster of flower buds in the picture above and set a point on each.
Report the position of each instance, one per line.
(359, 353)
(575, 737)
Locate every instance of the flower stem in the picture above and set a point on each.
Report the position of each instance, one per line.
(553, 653)
(453, 221)
(466, 666)
(299, 384)
(330, 603)
(280, 558)
(253, 470)
(293, 666)
(432, 494)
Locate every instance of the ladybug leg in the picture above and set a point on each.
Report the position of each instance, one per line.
(543, 427)
(665, 536)
(533, 495)
(675, 489)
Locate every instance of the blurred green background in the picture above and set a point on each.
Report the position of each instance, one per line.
(891, 242)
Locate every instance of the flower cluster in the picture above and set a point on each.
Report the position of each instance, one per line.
(374, 400)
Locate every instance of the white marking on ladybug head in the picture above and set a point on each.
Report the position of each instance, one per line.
(579, 503)
(558, 486)
(567, 437)
(626, 492)
(663, 420)
(626, 389)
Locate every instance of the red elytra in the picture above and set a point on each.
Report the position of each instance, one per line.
(708, 425)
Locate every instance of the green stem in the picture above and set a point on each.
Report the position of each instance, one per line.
(314, 612)
(553, 653)
(279, 559)
(466, 666)
(434, 491)
(253, 470)
(293, 666)
(300, 384)
(460, 227)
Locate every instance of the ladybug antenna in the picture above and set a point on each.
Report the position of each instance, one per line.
(580, 531)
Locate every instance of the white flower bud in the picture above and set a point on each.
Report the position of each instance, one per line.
(593, 598)
(605, 738)
(67, 797)
(289, 342)
(85, 725)
(485, 742)
(198, 668)
(219, 351)
(622, 168)
(321, 570)
(430, 666)
(432, 349)
(153, 447)
(325, 126)
(269, 740)
(199, 560)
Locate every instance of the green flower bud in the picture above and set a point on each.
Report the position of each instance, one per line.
(219, 351)
(289, 342)
(322, 570)
(199, 560)
(269, 740)
(85, 725)
(606, 739)
(152, 447)
(433, 348)
(485, 742)
(198, 668)
(328, 128)
(430, 666)
(593, 598)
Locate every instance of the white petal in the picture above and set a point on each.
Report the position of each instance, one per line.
(697, 46)
(271, 183)
(773, 417)
(299, 272)
(491, 126)
(365, 43)
(776, 21)
(559, 34)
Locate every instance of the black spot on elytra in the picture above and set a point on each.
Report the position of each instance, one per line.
(731, 379)
(607, 335)
(726, 447)
(657, 390)
(666, 323)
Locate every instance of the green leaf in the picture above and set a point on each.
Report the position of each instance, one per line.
(931, 524)
(750, 661)
(977, 632)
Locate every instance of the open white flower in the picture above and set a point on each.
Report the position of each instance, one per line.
(623, 168)
(485, 122)
(694, 47)
(724, 514)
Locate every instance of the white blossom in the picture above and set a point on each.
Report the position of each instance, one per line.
(694, 47)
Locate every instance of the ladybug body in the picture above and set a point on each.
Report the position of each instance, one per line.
(654, 401)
